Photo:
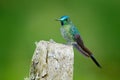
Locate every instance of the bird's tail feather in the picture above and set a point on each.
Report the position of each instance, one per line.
(95, 61)
(87, 55)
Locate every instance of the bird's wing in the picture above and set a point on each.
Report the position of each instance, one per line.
(79, 41)
(76, 35)
(80, 49)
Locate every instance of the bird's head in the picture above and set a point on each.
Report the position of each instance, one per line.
(64, 20)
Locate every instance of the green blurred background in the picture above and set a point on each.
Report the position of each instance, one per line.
(23, 22)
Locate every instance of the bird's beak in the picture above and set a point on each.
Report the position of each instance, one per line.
(57, 19)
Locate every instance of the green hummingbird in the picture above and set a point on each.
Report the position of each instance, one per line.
(71, 34)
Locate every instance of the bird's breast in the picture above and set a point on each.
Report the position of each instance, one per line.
(65, 31)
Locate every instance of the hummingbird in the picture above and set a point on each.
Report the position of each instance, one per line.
(71, 34)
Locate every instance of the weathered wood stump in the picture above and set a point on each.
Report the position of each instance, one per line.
(52, 61)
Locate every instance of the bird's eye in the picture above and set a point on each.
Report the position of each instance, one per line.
(66, 19)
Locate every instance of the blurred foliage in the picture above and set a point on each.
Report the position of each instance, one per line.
(22, 22)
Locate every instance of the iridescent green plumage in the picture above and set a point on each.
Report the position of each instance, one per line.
(68, 30)
(71, 34)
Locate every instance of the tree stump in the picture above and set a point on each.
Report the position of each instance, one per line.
(52, 61)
